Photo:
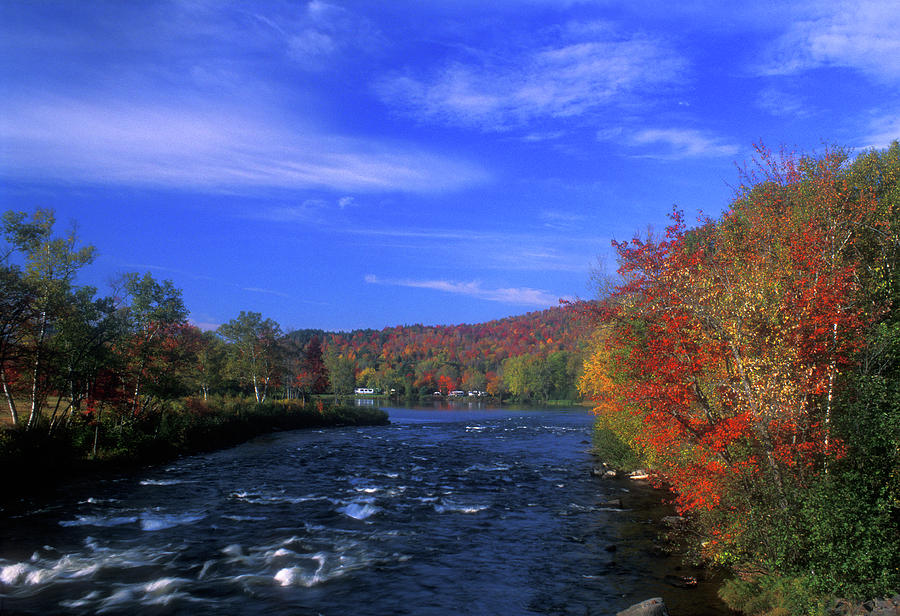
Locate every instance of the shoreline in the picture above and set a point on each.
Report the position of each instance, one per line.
(45, 463)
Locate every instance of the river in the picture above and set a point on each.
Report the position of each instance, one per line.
(465, 511)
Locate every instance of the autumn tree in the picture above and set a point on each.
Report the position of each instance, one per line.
(312, 377)
(157, 343)
(720, 354)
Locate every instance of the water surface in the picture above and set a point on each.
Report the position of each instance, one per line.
(443, 512)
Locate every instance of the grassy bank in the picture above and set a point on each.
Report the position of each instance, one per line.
(34, 459)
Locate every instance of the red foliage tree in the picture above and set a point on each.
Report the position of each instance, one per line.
(724, 341)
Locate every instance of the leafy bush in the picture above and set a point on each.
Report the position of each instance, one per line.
(774, 595)
(612, 450)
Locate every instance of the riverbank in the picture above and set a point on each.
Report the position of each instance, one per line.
(751, 590)
(36, 460)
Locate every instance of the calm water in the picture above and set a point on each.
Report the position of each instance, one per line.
(442, 512)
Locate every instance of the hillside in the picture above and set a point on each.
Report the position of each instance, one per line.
(534, 355)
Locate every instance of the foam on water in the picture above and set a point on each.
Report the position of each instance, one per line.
(245, 518)
(449, 506)
(257, 498)
(300, 576)
(161, 482)
(488, 467)
(359, 511)
(43, 570)
(100, 520)
(154, 522)
(13, 574)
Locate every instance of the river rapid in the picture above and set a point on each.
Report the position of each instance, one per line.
(445, 511)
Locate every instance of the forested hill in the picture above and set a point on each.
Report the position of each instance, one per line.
(534, 355)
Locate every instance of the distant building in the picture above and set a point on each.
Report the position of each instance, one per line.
(364, 391)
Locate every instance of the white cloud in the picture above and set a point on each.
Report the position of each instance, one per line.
(780, 103)
(882, 132)
(672, 143)
(549, 249)
(556, 82)
(311, 43)
(525, 296)
(102, 141)
(864, 35)
(559, 220)
(326, 31)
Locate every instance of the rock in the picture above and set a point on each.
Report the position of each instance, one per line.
(874, 607)
(674, 520)
(603, 472)
(650, 607)
(616, 502)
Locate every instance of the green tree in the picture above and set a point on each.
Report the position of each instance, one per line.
(210, 373)
(17, 310)
(82, 348)
(51, 264)
(527, 377)
(253, 352)
(154, 319)
(341, 373)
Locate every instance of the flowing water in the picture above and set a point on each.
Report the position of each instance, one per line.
(442, 512)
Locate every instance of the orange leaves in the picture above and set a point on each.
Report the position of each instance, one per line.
(726, 340)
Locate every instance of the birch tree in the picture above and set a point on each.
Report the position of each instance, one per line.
(253, 352)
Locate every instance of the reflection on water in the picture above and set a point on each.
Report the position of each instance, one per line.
(443, 512)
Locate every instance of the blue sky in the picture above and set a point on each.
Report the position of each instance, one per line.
(340, 165)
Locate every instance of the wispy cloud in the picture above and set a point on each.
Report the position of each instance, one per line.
(523, 296)
(325, 31)
(562, 221)
(671, 143)
(863, 35)
(161, 268)
(559, 246)
(197, 95)
(104, 141)
(781, 103)
(560, 81)
(264, 291)
(883, 131)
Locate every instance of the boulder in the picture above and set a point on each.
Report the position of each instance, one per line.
(650, 607)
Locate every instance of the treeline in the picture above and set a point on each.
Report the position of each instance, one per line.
(126, 378)
(753, 362)
(532, 357)
(69, 353)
